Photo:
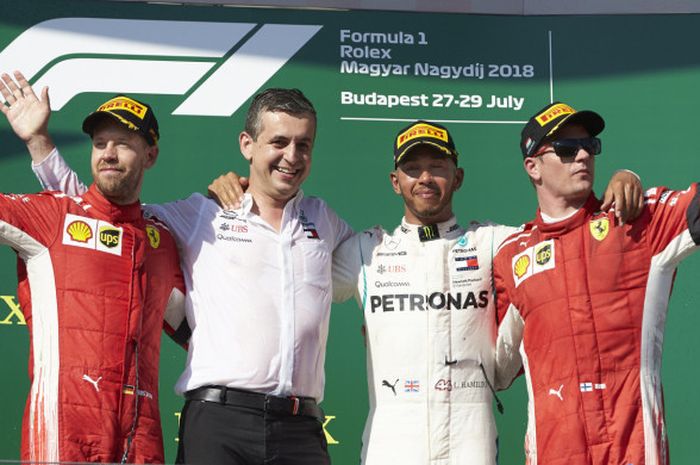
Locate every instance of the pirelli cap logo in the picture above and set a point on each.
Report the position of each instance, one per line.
(421, 130)
(554, 112)
(600, 228)
(536, 259)
(126, 104)
(90, 233)
(153, 236)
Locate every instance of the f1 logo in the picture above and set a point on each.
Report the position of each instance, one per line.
(191, 54)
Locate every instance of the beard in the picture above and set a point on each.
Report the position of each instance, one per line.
(120, 188)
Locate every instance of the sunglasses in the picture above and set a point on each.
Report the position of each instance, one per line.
(569, 147)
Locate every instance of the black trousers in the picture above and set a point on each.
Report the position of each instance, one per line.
(219, 434)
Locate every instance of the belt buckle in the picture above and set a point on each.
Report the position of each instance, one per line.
(222, 394)
(295, 407)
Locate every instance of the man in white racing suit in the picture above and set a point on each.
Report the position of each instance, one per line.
(425, 290)
(426, 293)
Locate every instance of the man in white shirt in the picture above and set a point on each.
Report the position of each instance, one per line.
(258, 296)
(427, 297)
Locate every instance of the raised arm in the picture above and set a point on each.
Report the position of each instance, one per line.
(27, 114)
(625, 194)
(227, 190)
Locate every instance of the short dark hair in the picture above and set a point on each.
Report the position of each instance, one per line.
(290, 101)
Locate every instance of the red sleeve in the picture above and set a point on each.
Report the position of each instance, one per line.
(510, 323)
(29, 223)
(175, 320)
(673, 213)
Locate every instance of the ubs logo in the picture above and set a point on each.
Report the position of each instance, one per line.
(381, 269)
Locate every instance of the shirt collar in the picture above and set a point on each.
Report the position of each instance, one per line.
(247, 203)
(117, 213)
(424, 233)
(588, 209)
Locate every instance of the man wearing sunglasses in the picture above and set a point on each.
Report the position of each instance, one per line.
(582, 301)
(425, 290)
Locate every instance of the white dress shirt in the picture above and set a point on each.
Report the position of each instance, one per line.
(258, 301)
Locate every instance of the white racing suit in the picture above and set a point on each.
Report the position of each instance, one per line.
(426, 293)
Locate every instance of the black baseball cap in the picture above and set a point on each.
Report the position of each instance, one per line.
(424, 133)
(549, 119)
(135, 115)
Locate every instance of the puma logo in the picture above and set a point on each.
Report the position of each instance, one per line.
(93, 382)
(553, 392)
(390, 386)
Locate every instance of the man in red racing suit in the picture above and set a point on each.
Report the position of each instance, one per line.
(582, 302)
(95, 279)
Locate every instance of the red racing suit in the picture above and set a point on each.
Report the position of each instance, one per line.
(582, 303)
(94, 282)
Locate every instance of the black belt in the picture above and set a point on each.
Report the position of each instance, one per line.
(305, 406)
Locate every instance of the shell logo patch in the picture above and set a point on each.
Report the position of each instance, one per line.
(153, 236)
(79, 231)
(521, 266)
(535, 259)
(599, 228)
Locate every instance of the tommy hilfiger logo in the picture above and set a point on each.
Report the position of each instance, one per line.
(308, 226)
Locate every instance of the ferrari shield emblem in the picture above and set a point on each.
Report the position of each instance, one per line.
(600, 228)
(153, 236)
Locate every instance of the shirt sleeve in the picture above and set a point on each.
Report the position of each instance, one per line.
(175, 321)
(29, 223)
(55, 174)
(674, 227)
(182, 217)
(340, 229)
(346, 268)
(348, 261)
(510, 326)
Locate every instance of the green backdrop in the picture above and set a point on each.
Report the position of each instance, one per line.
(640, 72)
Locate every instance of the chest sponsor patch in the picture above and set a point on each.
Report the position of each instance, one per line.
(466, 263)
(90, 233)
(540, 257)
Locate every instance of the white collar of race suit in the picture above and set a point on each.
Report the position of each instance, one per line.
(447, 230)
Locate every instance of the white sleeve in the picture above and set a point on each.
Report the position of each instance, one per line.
(347, 264)
(54, 174)
(501, 233)
(341, 230)
(182, 217)
(508, 341)
(348, 261)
